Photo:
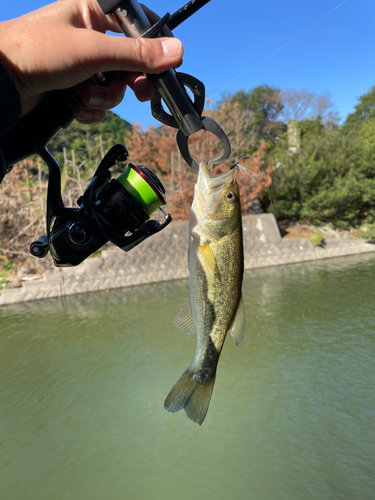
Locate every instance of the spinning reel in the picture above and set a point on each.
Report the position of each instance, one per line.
(108, 210)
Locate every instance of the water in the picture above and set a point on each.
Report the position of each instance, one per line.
(292, 416)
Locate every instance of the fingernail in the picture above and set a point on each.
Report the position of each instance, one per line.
(85, 114)
(96, 98)
(171, 47)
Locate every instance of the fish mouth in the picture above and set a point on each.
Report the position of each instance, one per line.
(211, 181)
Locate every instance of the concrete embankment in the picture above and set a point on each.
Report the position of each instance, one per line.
(163, 257)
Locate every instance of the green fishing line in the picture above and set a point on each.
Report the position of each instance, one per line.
(140, 190)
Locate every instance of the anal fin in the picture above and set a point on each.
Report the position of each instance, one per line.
(184, 320)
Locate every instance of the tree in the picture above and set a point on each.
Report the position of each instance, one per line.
(90, 141)
(303, 105)
(364, 110)
(262, 106)
(256, 177)
(235, 122)
(331, 179)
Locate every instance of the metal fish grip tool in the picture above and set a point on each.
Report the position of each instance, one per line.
(185, 113)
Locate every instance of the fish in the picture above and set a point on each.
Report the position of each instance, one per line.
(215, 306)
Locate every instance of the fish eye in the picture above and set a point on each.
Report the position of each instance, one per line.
(230, 196)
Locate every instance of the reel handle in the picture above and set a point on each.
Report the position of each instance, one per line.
(40, 247)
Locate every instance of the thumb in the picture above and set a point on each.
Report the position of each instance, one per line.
(99, 52)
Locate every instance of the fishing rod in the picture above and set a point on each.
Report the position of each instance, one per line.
(110, 208)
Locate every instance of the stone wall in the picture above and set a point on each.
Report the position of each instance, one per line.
(163, 257)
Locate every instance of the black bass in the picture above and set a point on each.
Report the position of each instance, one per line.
(215, 278)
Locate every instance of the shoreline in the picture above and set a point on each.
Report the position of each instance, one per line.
(164, 258)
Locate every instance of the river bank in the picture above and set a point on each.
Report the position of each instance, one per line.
(164, 257)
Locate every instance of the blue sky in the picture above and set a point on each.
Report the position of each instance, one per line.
(317, 45)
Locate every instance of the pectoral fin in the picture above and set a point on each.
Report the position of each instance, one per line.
(184, 320)
(237, 328)
(208, 262)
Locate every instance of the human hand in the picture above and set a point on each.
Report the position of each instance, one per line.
(63, 44)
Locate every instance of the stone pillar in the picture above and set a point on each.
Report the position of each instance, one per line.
(294, 136)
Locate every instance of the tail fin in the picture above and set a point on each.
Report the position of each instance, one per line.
(194, 397)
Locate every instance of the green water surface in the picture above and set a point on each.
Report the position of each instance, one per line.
(83, 381)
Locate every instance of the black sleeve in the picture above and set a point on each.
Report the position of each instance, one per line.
(10, 109)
